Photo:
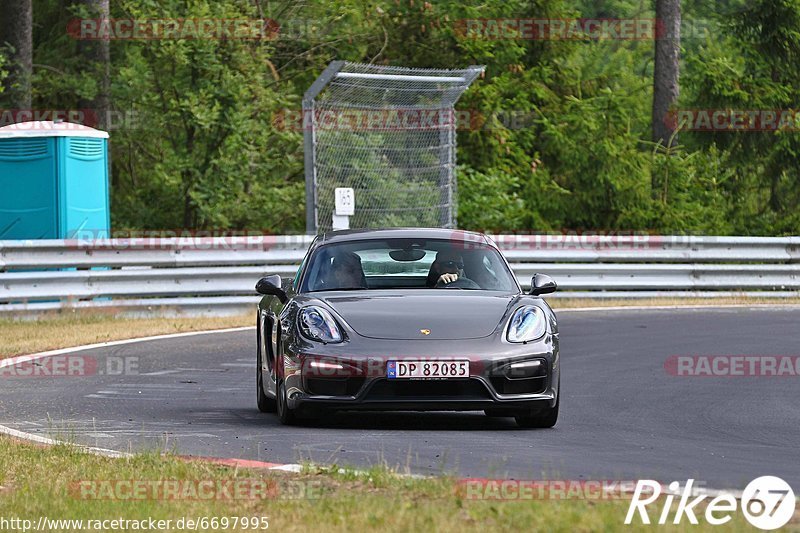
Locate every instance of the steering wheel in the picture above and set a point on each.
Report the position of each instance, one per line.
(460, 283)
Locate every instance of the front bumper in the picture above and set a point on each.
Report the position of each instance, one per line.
(492, 384)
(428, 400)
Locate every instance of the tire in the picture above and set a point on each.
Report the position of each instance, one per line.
(546, 418)
(286, 415)
(264, 402)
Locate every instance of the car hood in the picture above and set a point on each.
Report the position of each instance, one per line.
(460, 315)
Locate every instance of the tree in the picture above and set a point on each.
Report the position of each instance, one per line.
(16, 35)
(203, 154)
(3, 72)
(96, 58)
(666, 71)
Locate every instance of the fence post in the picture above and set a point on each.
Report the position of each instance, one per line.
(309, 141)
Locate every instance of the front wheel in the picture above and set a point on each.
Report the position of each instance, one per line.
(546, 418)
(286, 415)
(264, 402)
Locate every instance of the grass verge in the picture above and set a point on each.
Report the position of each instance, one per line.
(64, 330)
(572, 303)
(62, 483)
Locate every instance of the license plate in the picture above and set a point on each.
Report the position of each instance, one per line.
(410, 369)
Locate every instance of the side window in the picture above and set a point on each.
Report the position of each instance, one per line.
(487, 277)
(300, 270)
(297, 274)
(313, 275)
(320, 271)
(303, 264)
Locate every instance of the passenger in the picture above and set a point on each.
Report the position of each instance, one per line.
(347, 271)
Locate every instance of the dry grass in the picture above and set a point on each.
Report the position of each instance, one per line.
(572, 303)
(64, 330)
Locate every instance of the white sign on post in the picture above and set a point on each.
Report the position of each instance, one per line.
(345, 201)
(344, 207)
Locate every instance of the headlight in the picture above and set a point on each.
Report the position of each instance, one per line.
(317, 324)
(527, 324)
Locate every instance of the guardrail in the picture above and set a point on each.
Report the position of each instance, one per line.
(217, 275)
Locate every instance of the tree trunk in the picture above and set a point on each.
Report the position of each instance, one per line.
(97, 58)
(665, 76)
(16, 35)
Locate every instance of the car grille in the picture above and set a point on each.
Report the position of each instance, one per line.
(533, 380)
(503, 385)
(333, 386)
(456, 389)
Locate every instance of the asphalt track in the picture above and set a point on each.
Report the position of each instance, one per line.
(623, 416)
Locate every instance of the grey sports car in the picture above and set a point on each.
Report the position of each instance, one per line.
(407, 319)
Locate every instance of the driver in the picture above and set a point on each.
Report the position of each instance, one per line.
(447, 268)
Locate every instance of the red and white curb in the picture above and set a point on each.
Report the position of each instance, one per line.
(244, 463)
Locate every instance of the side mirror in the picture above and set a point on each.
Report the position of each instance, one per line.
(542, 284)
(271, 285)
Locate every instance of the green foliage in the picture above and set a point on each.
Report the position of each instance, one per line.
(565, 144)
(3, 73)
(204, 154)
(754, 67)
(489, 202)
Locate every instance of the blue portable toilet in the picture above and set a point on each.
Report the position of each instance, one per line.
(53, 181)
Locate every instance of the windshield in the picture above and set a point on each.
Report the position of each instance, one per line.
(407, 264)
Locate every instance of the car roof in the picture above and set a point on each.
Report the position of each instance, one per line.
(402, 233)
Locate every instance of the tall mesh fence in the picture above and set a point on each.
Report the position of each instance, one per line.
(390, 134)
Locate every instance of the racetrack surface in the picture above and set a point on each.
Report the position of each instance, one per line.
(623, 416)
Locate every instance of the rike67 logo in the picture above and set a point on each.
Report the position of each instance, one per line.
(767, 502)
